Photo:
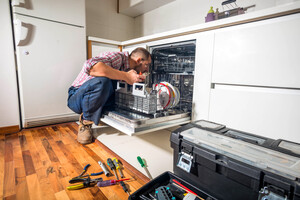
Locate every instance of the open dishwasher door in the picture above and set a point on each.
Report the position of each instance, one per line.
(164, 100)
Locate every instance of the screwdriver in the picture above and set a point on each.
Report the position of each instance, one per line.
(112, 167)
(142, 162)
(110, 182)
(124, 187)
(116, 163)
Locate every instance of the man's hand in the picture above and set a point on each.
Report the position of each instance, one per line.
(133, 77)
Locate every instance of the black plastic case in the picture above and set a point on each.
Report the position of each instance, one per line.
(215, 173)
(165, 179)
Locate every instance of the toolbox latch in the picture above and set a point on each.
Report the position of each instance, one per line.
(266, 194)
(185, 161)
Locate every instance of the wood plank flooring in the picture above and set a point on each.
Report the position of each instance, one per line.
(37, 164)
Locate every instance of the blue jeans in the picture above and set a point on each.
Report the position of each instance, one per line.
(92, 98)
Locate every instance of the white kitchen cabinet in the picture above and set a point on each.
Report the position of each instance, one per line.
(269, 112)
(9, 107)
(99, 45)
(264, 53)
(98, 48)
(202, 79)
(255, 77)
(48, 62)
(66, 11)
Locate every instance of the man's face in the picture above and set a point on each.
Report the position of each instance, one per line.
(143, 65)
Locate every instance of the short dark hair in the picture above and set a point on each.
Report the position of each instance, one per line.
(141, 51)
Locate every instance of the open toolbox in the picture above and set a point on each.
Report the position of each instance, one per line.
(216, 162)
(164, 182)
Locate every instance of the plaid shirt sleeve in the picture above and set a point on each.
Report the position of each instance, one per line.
(116, 60)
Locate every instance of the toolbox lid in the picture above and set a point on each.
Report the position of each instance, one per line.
(276, 162)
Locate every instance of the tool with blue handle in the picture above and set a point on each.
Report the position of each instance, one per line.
(84, 170)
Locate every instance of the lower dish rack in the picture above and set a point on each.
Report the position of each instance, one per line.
(147, 104)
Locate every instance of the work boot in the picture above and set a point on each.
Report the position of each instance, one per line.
(84, 135)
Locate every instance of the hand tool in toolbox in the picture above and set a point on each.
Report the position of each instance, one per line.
(87, 182)
(110, 182)
(117, 165)
(112, 167)
(177, 184)
(163, 193)
(84, 170)
(143, 165)
(104, 168)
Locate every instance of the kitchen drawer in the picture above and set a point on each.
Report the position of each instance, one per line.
(273, 113)
(264, 53)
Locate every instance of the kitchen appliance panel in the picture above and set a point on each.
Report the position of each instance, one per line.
(49, 56)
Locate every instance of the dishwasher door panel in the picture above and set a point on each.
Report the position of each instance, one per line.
(133, 124)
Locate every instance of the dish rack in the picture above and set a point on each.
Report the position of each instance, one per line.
(139, 99)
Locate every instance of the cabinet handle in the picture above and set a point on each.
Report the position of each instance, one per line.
(15, 2)
(18, 29)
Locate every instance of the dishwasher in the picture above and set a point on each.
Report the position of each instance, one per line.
(165, 99)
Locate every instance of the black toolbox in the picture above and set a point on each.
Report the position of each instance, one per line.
(217, 162)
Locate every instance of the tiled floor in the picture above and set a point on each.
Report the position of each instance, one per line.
(153, 147)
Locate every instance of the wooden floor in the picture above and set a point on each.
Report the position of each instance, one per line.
(38, 163)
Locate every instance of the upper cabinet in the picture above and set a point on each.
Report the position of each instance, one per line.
(264, 53)
(134, 8)
(66, 11)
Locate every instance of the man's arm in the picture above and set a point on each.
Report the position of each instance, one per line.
(101, 69)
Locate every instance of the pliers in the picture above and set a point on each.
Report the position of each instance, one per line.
(84, 170)
(87, 182)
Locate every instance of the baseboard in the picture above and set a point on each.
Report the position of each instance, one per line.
(9, 129)
(47, 120)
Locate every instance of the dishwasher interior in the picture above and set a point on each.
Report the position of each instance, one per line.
(165, 98)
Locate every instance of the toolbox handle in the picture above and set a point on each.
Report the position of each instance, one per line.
(222, 159)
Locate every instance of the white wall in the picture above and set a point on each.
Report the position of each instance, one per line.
(9, 108)
(103, 21)
(184, 13)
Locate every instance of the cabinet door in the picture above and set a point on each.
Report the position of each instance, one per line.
(202, 78)
(9, 106)
(66, 11)
(262, 53)
(273, 113)
(48, 63)
(98, 48)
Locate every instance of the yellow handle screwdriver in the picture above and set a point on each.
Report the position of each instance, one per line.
(117, 165)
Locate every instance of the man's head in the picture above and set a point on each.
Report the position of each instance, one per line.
(140, 60)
